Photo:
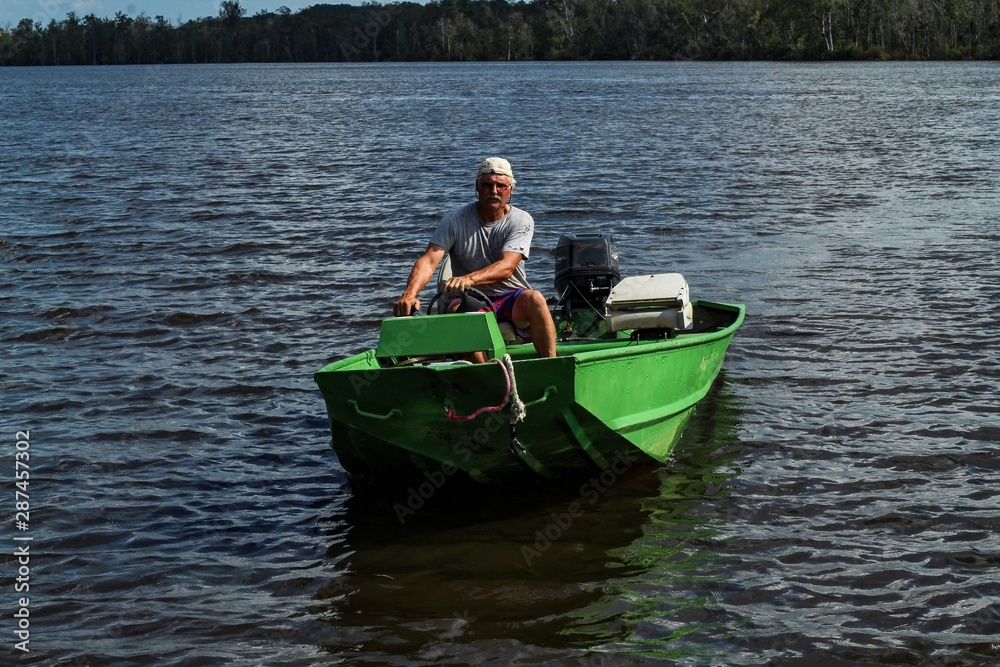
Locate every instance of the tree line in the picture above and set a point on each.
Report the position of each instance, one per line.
(481, 30)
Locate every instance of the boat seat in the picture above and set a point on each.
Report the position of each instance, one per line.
(659, 301)
(444, 273)
(507, 332)
(506, 329)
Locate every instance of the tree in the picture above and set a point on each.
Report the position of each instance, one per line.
(231, 11)
(523, 29)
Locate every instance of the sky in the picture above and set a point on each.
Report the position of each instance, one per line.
(12, 11)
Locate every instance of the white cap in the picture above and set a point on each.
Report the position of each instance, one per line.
(496, 165)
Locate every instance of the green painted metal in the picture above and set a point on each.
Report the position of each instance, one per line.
(581, 438)
(596, 400)
(429, 335)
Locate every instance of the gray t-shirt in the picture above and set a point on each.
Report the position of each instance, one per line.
(474, 244)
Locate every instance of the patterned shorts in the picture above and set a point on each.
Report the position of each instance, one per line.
(503, 308)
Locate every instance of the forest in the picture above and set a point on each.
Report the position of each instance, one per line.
(493, 30)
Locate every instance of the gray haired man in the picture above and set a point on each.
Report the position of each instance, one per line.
(488, 241)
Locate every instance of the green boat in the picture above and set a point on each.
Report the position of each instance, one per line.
(633, 358)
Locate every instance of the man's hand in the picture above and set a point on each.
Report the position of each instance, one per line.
(420, 274)
(406, 306)
(458, 284)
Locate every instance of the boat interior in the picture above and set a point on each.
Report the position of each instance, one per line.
(595, 308)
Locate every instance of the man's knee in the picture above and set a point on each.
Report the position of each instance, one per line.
(533, 300)
(531, 311)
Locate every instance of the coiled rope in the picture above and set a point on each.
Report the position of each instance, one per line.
(517, 408)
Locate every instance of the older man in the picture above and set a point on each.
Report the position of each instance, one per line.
(488, 241)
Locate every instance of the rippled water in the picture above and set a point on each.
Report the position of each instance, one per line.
(184, 246)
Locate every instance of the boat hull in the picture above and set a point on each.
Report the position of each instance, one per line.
(599, 404)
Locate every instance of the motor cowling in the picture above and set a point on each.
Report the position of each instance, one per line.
(586, 268)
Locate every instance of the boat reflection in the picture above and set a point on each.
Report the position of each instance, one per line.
(618, 562)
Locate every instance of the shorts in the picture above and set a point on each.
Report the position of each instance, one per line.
(503, 308)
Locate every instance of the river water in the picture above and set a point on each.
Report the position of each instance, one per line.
(182, 247)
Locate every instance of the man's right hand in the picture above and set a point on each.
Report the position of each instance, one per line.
(406, 306)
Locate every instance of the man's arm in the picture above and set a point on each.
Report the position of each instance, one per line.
(494, 273)
(421, 273)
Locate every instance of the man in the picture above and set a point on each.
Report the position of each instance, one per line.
(488, 241)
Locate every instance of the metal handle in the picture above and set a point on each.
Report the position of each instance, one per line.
(548, 391)
(395, 412)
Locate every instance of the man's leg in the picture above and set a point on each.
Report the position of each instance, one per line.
(531, 311)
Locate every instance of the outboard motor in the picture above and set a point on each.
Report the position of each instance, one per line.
(586, 270)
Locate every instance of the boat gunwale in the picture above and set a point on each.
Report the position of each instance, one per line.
(681, 341)
(608, 348)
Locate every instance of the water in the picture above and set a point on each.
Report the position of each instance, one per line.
(184, 246)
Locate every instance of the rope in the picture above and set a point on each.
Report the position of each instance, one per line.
(453, 416)
(517, 408)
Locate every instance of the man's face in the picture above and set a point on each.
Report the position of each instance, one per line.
(494, 191)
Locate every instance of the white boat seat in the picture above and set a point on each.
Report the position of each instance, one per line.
(444, 273)
(506, 329)
(660, 301)
(667, 318)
